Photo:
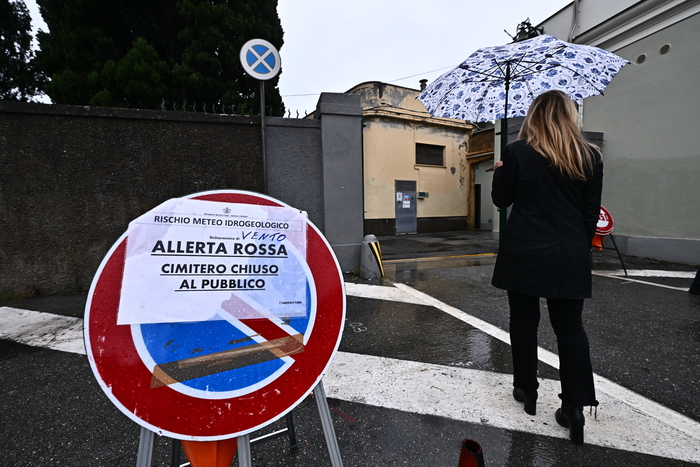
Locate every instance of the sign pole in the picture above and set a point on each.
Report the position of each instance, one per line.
(245, 459)
(146, 447)
(327, 425)
(262, 129)
(261, 61)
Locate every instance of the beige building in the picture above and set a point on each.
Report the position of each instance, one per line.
(418, 173)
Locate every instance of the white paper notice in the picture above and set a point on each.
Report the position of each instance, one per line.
(188, 258)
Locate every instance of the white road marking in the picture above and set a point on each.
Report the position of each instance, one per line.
(37, 329)
(379, 292)
(484, 397)
(619, 274)
(625, 420)
(649, 273)
(604, 386)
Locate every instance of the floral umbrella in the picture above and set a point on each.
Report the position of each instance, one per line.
(478, 89)
(511, 76)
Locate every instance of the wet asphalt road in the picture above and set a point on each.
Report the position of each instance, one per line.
(643, 337)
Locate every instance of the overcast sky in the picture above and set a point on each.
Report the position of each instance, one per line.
(332, 45)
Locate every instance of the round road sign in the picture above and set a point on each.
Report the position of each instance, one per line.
(215, 378)
(605, 222)
(260, 59)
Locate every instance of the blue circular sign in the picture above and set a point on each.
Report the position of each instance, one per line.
(260, 59)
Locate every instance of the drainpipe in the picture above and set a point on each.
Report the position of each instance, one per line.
(574, 22)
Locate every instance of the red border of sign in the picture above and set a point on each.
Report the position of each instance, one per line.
(611, 224)
(126, 380)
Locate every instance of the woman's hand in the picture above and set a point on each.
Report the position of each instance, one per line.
(497, 164)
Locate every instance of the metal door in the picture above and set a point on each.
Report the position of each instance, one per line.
(405, 202)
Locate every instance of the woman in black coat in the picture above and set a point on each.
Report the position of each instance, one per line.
(553, 179)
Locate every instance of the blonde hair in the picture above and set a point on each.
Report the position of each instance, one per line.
(551, 128)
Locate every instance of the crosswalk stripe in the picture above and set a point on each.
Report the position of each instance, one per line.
(625, 419)
(648, 273)
(622, 277)
(379, 292)
(484, 397)
(662, 414)
(38, 329)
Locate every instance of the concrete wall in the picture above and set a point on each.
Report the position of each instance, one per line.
(72, 178)
(652, 138)
(316, 165)
(559, 25)
(295, 165)
(652, 149)
(649, 119)
(341, 144)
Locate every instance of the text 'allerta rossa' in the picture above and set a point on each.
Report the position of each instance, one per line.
(183, 247)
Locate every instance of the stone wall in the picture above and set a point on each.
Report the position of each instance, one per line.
(72, 178)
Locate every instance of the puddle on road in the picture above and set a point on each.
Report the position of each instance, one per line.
(401, 267)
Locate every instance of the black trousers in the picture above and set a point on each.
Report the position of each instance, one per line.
(575, 370)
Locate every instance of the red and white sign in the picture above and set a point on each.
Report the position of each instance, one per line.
(605, 222)
(231, 371)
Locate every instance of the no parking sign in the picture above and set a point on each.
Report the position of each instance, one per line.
(260, 59)
(214, 315)
(605, 223)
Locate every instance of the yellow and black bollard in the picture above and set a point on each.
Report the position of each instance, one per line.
(371, 258)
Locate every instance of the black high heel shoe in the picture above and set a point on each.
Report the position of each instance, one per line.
(571, 417)
(528, 397)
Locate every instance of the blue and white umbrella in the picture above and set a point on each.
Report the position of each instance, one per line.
(511, 76)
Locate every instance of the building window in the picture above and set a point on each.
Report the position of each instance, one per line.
(430, 154)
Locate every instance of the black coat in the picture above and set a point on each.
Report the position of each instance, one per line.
(545, 251)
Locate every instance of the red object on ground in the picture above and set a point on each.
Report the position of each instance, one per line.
(210, 453)
(471, 454)
(598, 242)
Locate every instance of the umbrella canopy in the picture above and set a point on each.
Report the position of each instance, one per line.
(511, 76)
